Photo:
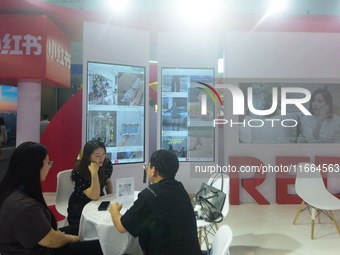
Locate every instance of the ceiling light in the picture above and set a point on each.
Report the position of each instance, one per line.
(276, 6)
(198, 11)
(117, 5)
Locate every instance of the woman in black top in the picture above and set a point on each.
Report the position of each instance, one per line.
(27, 226)
(91, 175)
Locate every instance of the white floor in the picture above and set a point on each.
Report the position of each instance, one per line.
(269, 230)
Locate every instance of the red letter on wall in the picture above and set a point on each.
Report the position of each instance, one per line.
(248, 184)
(284, 179)
(330, 165)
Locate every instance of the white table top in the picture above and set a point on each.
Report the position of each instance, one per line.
(96, 224)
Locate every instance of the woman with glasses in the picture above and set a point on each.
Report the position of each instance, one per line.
(91, 175)
(27, 226)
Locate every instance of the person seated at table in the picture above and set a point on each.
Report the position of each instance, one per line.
(162, 216)
(27, 226)
(91, 175)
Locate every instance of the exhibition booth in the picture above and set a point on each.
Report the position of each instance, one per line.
(278, 59)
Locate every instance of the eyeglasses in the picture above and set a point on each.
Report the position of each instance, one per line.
(50, 163)
(145, 166)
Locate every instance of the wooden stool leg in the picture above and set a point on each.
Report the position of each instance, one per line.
(313, 221)
(206, 238)
(200, 236)
(312, 230)
(216, 226)
(335, 223)
(299, 211)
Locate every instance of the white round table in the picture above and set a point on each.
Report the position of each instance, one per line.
(96, 224)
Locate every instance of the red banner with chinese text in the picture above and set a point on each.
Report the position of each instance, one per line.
(33, 48)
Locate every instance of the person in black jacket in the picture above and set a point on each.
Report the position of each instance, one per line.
(162, 216)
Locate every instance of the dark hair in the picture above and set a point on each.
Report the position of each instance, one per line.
(24, 171)
(83, 165)
(45, 116)
(327, 96)
(2, 121)
(165, 162)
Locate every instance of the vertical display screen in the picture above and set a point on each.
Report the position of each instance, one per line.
(184, 129)
(116, 110)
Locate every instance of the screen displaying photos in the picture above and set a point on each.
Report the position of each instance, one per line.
(116, 110)
(184, 129)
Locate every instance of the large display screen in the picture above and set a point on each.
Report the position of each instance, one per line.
(116, 110)
(184, 129)
(312, 121)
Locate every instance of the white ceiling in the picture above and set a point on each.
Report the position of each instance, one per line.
(163, 12)
(296, 7)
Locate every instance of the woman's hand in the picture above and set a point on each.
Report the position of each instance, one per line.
(324, 113)
(74, 239)
(94, 168)
(56, 239)
(93, 192)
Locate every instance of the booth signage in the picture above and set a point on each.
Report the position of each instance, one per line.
(20, 44)
(33, 48)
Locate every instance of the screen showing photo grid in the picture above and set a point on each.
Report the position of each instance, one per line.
(116, 110)
(184, 129)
